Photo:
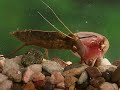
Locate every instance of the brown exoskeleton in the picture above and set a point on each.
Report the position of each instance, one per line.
(89, 46)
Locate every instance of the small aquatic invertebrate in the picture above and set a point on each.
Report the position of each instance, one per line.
(88, 45)
(94, 47)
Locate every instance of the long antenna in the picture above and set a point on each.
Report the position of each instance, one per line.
(52, 24)
(57, 17)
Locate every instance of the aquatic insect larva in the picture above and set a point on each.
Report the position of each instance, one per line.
(89, 46)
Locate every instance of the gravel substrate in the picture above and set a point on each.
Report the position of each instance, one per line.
(32, 72)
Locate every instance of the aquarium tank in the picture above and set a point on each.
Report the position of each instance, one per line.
(100, 16)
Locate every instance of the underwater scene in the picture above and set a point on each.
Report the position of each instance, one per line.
(59, 45)
(102, 17)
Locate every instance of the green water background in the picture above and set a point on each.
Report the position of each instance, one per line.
(101, 16)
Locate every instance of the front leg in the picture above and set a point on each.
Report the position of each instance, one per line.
(79, 49)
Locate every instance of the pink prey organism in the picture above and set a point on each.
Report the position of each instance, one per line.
(92, 48)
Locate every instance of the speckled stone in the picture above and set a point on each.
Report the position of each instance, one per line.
(35, 67)
(61, 62)
(96, 82)
(38, 76)
(6, 85)
(3, 77)
(108, 86)
(31, 70)
(93, 72)
(12, 70)
(70, 80)
(75, 71)
(104, 68)
(17, 59)
(33, 56)
(56, 77)
(51, 66)
(27, 75)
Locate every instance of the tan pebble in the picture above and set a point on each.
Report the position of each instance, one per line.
(38, 76)
(29, 86)
(61, 85)
(36, 67)
(56, 77)
(6, 85)
(3, 77)
(70, 80)
(51, 66)
(27, 75)
(108, 86)
(72, 87)
(74, 71)
(103, 68)
(61, 62)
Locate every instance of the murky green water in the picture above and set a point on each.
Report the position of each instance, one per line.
(79, 15)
